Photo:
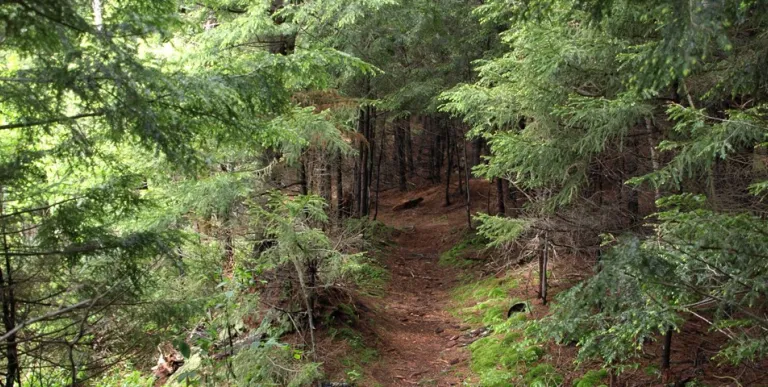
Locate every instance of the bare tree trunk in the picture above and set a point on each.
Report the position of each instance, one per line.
(326, 185)
(303, 177)
(466, 177)
(449, 169)
(359, 164)
(667, 350)
(459, 168)
(308, 297)
(479, 144)
(543, 269)
(512, 195)
(98, 19)
(371, 153)
(432, 149)
(438, 148)
(409, 147)
(633, 205)
(365, 162)
(500, 210)
(13, 366)
(378, 176)
(339, 185)
(400, 152)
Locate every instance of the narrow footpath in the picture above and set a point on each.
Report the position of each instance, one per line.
(419, 337)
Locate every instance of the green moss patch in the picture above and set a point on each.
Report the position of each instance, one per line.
(511, 355)
(457, 255)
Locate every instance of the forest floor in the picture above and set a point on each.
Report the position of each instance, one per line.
(419, 342)
(410, 334)
(421, 338)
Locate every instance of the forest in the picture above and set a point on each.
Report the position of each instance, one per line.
(341, 193)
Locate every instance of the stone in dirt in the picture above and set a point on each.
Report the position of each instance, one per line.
(408, 204)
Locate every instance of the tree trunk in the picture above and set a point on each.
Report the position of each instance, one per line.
(449, 169)
(378, 177)
(438, 149)
(543, 270)
(326, 185)
(98, 19)
(459, 168)
(409, 147)
(478, 145)
(359, 164)
(633, 205)
(365, 162)
(512, 196)
(282, 44)
(400, 152)
(303, 177)
(339, 186)
(13, 366)
(371, 152)
(500, 210)
(667, 350)
(466, 177)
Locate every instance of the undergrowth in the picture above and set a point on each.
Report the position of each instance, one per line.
(511, 354)
(457, 255)
(360, 355)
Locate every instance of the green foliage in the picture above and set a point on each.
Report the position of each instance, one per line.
(578, 87)
(498, 230)
(690, 243)
(592, 378)
(277, 365)
(360, 356)
(456, 255)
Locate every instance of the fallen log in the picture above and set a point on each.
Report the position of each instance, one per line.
(408, 204)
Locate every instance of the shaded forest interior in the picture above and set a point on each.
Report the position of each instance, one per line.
(383, 192)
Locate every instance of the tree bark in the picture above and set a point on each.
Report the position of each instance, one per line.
(466, 177)
(512, 196)
(378, 177)
(459, 169)
(667, 350)
(449, 169)
(326, 183)
(543, 270)
(371, 152)
(13, 366)
(409, 147)
(303, 177)
(633, 205)
(479, 144)
(339, 186)
(500, 210)
(359, 164)
(400, 152)
(365, 163)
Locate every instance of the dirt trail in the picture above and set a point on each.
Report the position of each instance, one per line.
(417, 335)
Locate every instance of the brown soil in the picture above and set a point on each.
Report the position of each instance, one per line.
(414, 326)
